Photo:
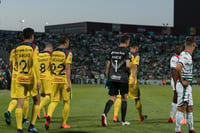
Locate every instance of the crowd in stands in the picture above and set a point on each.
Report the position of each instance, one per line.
(90, 50)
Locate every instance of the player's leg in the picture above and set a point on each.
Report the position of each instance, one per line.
(134, 93)
(116, 108)
(173, 108)
(36, 102)
(182, 105)
(12, 103)
(7, 114)
(46, 85)
(25, 110)
(18, 114)
(189, 117)
(21, 94)
(173, 105)
(189, 111)
(43, 104)
(66, 107)
(55, 98)
(124, 94)
(113, 91)
(42, 95)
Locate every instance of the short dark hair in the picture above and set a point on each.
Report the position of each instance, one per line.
(63, 38)
(27, 33)
(134, 44)
(20, 36)
(124, 38)
(189, 40)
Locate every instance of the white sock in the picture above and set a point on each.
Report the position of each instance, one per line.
(178, 121)
(173, 109)
(189, 119)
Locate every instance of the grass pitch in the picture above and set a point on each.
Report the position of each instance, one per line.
(88, 103)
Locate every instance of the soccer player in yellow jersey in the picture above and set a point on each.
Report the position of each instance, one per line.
(45, 76)
(28, 78)
(13, 102)
(134, 91)
(61, 59)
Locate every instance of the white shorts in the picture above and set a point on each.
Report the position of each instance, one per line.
(184, 94)
(172, 84)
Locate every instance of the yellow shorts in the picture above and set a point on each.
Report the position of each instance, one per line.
(59, 91)
(13, 89)
(46, 86)
(24, 90)
(134, 92)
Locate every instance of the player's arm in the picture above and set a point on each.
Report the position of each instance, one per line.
(107, 68)
(68, 70)
(173, 73)
(11, 60)
(134, 69)
(178, 71)
(134, 73)
(128, 65)
(36, 66)
(68, 75)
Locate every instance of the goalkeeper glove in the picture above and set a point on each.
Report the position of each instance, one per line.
(107, 83)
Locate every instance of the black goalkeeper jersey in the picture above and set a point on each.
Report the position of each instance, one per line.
(118, 70)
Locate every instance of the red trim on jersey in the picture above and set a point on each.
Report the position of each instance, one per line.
(176, 55)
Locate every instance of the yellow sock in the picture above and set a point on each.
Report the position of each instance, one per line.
(117, 105)
(12, 105)
(34, 114)
(18, 116)
(138, 107)
(26, 107)
(44, 110)
(52, 107)
(44, 102)
(65, 113)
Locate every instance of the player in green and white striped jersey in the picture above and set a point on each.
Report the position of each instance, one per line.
(184, 70)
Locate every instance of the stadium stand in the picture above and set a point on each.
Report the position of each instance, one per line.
(90, 50)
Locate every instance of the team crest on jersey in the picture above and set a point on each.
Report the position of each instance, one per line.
(185, 58)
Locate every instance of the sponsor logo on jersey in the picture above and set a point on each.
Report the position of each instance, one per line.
(115, 77)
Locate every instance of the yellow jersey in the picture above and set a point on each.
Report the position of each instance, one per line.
(60, 57)
(26, 56)
(45, 65)
(135, 60)
(13, 64)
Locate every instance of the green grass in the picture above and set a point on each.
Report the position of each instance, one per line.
(88, 104)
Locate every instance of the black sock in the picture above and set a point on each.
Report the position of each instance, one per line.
(108, 106)
(123, 110)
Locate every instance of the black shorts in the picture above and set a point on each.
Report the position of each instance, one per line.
(116, 86)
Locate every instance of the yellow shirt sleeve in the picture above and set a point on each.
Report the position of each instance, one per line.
(36, 63)
(136, 60)
(69, 58)
(11, 55)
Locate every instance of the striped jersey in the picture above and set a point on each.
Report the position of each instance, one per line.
(187, 66)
